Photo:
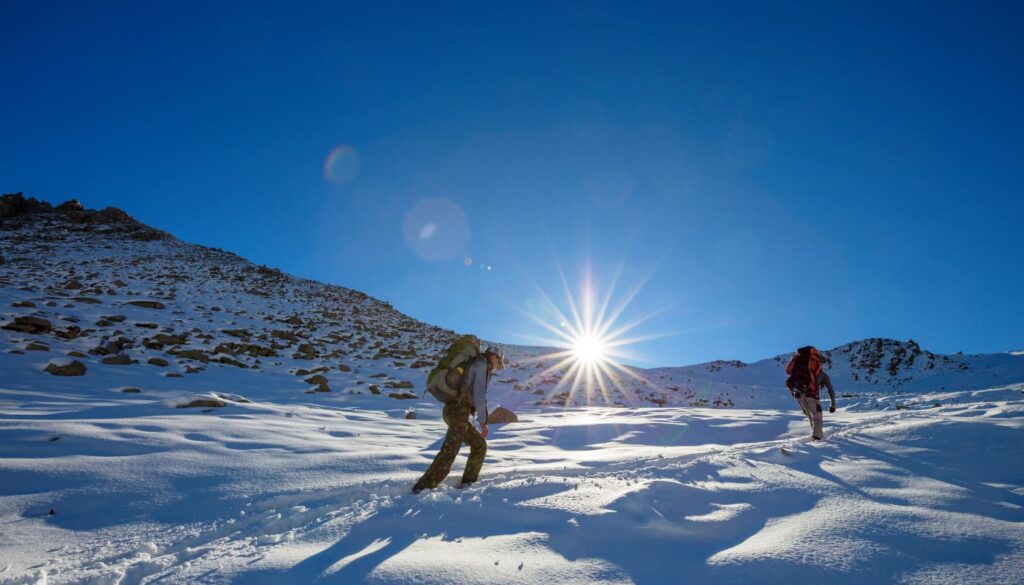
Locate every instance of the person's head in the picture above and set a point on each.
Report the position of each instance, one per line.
(494, 359)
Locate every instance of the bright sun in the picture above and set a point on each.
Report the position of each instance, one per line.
(589, 349)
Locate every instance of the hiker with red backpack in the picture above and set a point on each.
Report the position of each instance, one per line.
(460, 382)
(806, 376)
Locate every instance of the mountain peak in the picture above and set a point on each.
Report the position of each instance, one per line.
(22, 210)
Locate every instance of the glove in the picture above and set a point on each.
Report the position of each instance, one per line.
(483, 431)
(832, 408)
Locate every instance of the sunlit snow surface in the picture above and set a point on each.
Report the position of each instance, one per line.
(275, 493)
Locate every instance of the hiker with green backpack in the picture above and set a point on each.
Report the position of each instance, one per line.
(460, 382)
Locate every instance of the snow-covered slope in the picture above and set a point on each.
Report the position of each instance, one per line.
(109, 289)
(232, 424)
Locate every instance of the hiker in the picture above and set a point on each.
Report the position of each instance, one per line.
(804, 382)
(468, 396)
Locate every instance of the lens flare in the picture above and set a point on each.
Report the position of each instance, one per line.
(436, 230)
(342, 165)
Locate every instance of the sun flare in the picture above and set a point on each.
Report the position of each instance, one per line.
(589, 348)
(591, 342)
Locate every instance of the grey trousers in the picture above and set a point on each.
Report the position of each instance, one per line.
(812, 408)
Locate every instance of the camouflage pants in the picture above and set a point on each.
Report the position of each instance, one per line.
(460, 430)
(812, 408)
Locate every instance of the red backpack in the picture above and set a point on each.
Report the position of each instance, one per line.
(803, 371)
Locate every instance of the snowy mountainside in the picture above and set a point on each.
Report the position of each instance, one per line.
(128, 302)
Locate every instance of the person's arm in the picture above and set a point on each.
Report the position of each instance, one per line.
(480, 396)
(831, 393)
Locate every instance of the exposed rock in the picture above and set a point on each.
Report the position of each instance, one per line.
(73, 284)
(29, 324)
(305, 352)
(36, 346)
(402, 395)
(72, 332)
(421, 364)
(112, 347)
(285, 335)
(410, 414)
(148, 325)
(155, 361)
(344, 368)
(204, 403)
(114, 318)
(15, 204)
(24, 304)
(502, 415)
(147, 304)
(401, 384)
(70, 206)
(319, 381)
(117, 360)
(75, 368)
(130, 390)
(374, 389)
(191, 354)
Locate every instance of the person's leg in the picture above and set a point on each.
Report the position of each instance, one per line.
(477, 452)
(802, 401)
(442, 463)
(816, 417)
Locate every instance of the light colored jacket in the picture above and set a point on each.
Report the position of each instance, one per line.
(474, 382)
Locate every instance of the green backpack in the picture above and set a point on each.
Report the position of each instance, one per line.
(444, 380)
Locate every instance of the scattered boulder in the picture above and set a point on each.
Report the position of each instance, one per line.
(410, 414)
(24, 304)
(117, 360)
(191, 354)
(130, 390)
(285, 335)
(72, 332)
(203, 403)
(319, 381)
(421, 364)
(86, 300)
(73, 284)
(58, 368)
(155, 361)
(402, 395)
(401, 384)
(147, 304)
(374, 389)
(37, 346)
(305, 352)
(29, 324)
(344, 368)
(148, 325)
(112, 347)
(501, 415)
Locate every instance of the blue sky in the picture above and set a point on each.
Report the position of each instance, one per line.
(775, 174)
